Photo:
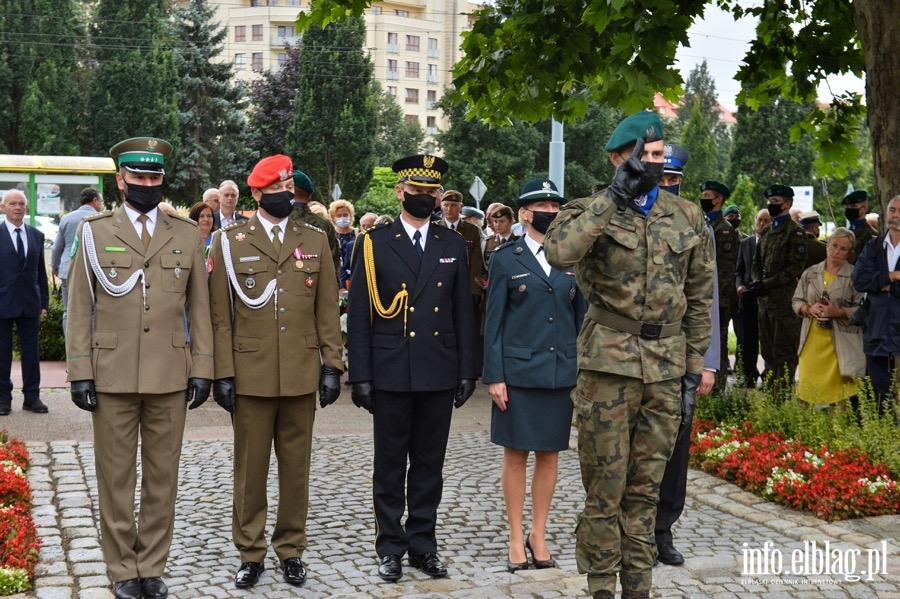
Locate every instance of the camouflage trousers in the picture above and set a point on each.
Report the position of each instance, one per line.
(779, 340)
(626, 433)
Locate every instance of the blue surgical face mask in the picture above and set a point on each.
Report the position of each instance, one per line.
(673, 189)
(342, 221)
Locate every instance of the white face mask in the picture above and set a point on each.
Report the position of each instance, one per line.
(342, 221)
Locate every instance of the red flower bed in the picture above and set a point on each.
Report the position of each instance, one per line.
(19, 543)
(832, 486)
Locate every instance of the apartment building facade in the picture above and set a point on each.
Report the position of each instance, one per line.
(413, 45)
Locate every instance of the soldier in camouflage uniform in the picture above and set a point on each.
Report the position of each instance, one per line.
(779, 261)
(303, 192)
(856, 206)
(712, 201)
(643, 259)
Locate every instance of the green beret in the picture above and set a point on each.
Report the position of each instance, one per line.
(782, 191)
(716, 187)
(643, 124)
(731, 210)
(302, 181)
(855, 197)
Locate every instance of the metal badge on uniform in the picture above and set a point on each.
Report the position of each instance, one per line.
(299, 263)
(572, 293)
(519, 250)
(113, 273)
(177, 252)
(177, 272)
(522, 288)
(524, 274)
(250, 283)
(249, 258)
(309, 281)
(239, 237)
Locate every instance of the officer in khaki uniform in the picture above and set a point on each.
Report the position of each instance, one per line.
(779, 261)
(644, 260)
(273, 295)
(137, 273)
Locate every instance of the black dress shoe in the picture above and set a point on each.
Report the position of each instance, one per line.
(128, 589)
(154, 588)
(5, 409)
(248, 574)
(294, 572)
(35, 405)
(390, 568)
(428, 563)
(669, 555)
(539, 564)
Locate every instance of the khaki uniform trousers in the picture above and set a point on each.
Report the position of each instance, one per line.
(626, 434)
(137, 550)
(258, 422)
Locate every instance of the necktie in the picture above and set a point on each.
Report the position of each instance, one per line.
(145, 233)
(417, 239)
(20, 246)
(540, 249)
(276, 240)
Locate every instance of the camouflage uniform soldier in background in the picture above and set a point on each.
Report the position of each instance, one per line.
(712, 201)
(779, 261)
(643, 259)
(856, 206)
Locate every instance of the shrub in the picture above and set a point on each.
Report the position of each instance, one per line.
(51, 341)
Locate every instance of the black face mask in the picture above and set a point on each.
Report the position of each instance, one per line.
(419, 205)
(735, 222)
(706, 206)
(277, 204)
(143, 198)
(852, 214)
(541, 219)
(652, 173)
(673, 189)
(774, 209)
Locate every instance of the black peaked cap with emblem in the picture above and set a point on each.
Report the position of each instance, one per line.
(423, 170)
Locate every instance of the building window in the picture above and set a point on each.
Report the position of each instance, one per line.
(392, 91)
(412, 43)
(286, 31)
(412, 96)
(392, 72)
(240, 62)
(431, 98)
(257, 33)
(257, 3)
(376, 10)
(412, 70)
(240, 33)
(282, 58)
(431, 125)
(432, 73)
(292, 2)
(401, 13)
(392, 46)
(411, 118)
(432, 47)
(256, 62)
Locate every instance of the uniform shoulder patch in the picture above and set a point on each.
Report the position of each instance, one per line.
(236, 224)
(314, 228)
(374, 228)
(443, 226)
(104, 214)
(504, 245)
(183, 219)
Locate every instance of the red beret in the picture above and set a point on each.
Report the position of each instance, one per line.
(271, 170)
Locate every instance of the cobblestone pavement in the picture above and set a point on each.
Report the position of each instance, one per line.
(720, 523)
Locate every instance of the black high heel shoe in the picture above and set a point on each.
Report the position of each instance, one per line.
(539, 564)
(513, 567)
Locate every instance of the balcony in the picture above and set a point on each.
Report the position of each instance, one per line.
(431, 130)
(393, 48)
(432, 80)
(279, 41)
(433, 53)
(393, 75)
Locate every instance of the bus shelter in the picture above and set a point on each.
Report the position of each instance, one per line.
(53, 184)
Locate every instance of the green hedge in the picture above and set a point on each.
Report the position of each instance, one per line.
(51, 342)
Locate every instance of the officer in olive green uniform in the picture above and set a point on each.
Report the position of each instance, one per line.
(303, 191)
(644, 260)
(856, 206)
(815, 249)
(712, 201)
(273, 296)
(779, 261)
(137, 285)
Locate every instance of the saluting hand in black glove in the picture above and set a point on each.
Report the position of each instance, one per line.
(627, 181)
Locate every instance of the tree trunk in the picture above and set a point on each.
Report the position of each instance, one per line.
(880, 37)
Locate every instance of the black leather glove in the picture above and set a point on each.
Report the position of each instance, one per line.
(689, 383)
(627, 179)
(223, 393)
(198, 390)
(84, 395)
(464, 390)
(361, 394)
(329, 385)
(756, 287)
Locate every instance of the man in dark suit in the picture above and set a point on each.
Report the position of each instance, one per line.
(24, 300)
(410, 309)
(749, 305)
(227, 212)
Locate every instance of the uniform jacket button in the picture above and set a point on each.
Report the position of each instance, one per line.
(412, 333)
(146, 329)
(552, 349)
(412, 309)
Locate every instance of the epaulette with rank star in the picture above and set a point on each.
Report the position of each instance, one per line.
(504, 245)
(373, 228)
(313, 227)
(104, 214)
(440, 224)
(237, 223)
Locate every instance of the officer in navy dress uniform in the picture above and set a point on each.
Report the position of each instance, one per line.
(411, 335)
(534, 313)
